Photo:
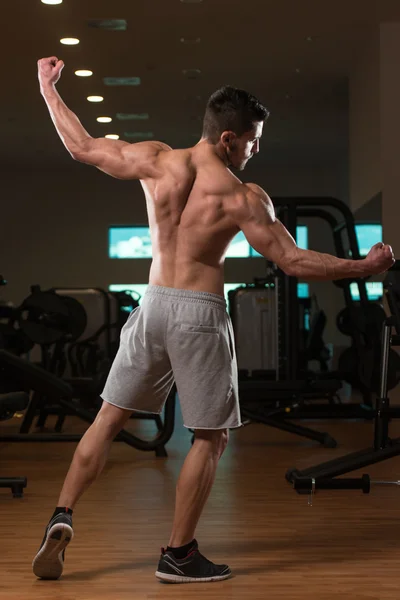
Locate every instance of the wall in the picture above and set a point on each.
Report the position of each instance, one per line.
(364, 123)
(390, 131)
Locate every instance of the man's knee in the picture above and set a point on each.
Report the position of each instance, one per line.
(215, 439)
(224, 440)
(111, 419)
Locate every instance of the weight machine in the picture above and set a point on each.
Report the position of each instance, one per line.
(327, 475)
(77, 349)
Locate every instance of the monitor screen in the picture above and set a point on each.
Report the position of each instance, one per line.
(129, 242)
(374, 290)
(368, 234)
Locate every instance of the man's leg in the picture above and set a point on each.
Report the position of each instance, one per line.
(92, 453)
(182, 561)
(195, 483)
(87, 464)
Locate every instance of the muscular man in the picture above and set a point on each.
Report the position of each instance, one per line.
(182, 332)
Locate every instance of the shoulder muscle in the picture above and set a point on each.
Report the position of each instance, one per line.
(252, 204)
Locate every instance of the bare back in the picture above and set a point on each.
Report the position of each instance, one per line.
(189, 225)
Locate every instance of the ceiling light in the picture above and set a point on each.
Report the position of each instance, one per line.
(139, 135)
(104, 119)
(132, 116)
(309, 38)
(69, 41)
(83, 73)
(110, 24)
(95, 98)
(121, 80)
(52, 1)
(298, 71)
(191, 73)
(188, 40)
(112, 136)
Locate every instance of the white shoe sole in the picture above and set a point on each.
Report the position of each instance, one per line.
(169, 578)
(48, 562)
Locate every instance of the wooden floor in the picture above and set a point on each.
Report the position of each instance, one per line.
(346, 546)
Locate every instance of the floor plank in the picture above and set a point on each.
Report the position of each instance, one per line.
(345, 546)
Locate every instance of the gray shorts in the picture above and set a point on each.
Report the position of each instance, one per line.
(182, 336)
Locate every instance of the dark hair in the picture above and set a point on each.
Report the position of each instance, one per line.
(231, 109)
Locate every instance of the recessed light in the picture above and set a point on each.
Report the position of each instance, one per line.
(83, 73)
(112, 136)
(104, 119)
(121, 80)
(95, 98)
(132, 116)
(190, 41)
(298, 71)
(110, 24)
(52, 1)
(191, 73)
(139, 135)
(69, 41)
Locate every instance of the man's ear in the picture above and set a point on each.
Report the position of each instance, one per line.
(228, 138)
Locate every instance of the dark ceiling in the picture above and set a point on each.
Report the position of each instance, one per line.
(295, 56)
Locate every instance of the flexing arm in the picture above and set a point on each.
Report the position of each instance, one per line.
(115, 157)
(255, 215)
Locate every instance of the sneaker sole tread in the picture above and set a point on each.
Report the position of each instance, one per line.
(48, 562)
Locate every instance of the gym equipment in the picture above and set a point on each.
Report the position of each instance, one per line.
(47, 386)
(359, 364)
(294, 394)
(9, 404)
(78, 331)
(46, 318)
(326, 475)
(254, 314)
(11, 339)
(99, 339)
(314, 346)
(307, 485)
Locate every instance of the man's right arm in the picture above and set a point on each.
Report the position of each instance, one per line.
(254, 214)
(114, 157)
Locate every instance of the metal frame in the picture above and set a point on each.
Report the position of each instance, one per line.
(327, 475)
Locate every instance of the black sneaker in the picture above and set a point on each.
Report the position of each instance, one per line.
(49, 561)
(194, 567)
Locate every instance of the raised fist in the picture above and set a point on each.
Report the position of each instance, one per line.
(380, 258)
(49, 70)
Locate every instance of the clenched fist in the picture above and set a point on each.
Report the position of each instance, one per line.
(380, 258)
(49, 70)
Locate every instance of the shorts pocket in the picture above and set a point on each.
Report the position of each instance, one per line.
(199, 329)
